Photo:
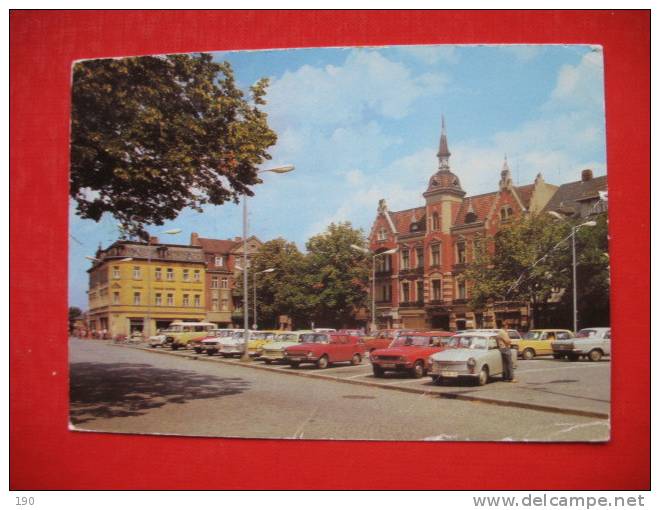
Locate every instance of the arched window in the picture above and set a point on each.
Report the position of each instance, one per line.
(470, 217)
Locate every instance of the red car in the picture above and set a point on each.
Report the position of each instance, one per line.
(409, 353)
(325, 348)
(383, 338)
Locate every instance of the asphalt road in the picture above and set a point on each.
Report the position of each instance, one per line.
(115, 389)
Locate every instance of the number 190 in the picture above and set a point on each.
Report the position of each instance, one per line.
(23, 500)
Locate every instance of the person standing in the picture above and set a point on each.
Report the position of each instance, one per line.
(504, 345)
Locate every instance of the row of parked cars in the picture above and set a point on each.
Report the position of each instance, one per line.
(442, 355)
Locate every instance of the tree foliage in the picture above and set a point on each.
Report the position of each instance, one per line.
(153, 135)
(75, 313)
(337, 276)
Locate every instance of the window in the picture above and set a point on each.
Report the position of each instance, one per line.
(382, 234)
(460, 252)
(225, 304)
(405, 259)
(435, 255)
(186, 275)
(435, 221)
(158, 274)
(170, 273)
(196, 275)
(224, 283)
(198, 300)
(136, 298)
(477, 248)
(137, 274)
(405, 292)
(186, 300)
(506, 213)
(470, 217)
(436, 290)
(159, 299)
(461, 290)
(214, 282)
(115, 298)
(420, 290)
(214, 304)
(115, 272)
(170, 300)
(419, 253)
(219, 260)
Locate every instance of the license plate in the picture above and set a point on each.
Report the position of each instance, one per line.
(388, 365)
(447, 373)
(295, 359)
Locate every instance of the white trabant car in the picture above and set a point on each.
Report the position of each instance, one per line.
(234, 345)
(274, 349)
(211, 344)
(471, 355)
(591, 343)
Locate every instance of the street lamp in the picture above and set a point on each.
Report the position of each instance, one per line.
(147, 325)
(277, 170)
(254, 296)
(574, 229)
(373, 277)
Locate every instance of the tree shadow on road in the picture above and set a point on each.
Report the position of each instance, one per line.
(111, 390)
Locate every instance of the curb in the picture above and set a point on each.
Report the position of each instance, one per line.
(449, 396)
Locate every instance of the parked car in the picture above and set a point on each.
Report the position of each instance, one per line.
(409, 353)
(233, 345)
(257, 341)
(159, 339)
(273, 350)
(325, 330)
(380, 339)
(538, 342)
(325, 348)
(592, 343)
(211, 344)
(472, 355)
(503, 333)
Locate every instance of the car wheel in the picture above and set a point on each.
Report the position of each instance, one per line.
(595, 355)
(174, 347)
(268, 361)
(417, 371)
(556, 355)
(225, 355)
(528, 354)
(198, 350)
(483, 376)
(209, 352)
(572, 357)
(322, 362)
(356, 359)
(294, 364)
(435, 379)
(378, 371)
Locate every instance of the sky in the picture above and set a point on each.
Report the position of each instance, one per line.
(361, 124)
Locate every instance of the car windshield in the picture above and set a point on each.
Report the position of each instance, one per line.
(533, 335)
(237, 335)
(262, 336)
(513, 333)
(587, 333)
(410, 340)
(286, 337)
(468, 342)
(314, 338)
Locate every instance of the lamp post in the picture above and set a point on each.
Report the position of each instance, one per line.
(373, 277)
(574, 229)
(254, 296)
(277, 170)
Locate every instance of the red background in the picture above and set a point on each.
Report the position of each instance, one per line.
(45, 455)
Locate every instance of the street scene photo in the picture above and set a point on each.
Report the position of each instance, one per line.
(405, 243)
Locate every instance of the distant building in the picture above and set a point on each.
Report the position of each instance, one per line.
(140, 287)
(582, 198)
(421, 285)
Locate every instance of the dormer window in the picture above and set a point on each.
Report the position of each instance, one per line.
(219, 260)
(382, 234)
(470, 217)
(506, 213)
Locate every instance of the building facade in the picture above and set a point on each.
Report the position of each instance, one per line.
(137, 287)
(422, 284)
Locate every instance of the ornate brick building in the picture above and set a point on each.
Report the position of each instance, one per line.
(421, 286)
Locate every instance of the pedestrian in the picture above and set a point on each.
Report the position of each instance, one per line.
(504, 345)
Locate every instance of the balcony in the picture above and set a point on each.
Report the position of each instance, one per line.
(435, 302)
(461, 301)
(383, 302)
(411, 304)
(412, 271)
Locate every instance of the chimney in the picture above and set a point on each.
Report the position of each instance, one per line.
(153, 240)
(238, 239)
(194, 239)
(587, 175)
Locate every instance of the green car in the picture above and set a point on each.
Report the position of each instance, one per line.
(273, 350)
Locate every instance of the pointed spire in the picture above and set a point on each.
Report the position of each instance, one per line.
(443, 150)
(505, 181)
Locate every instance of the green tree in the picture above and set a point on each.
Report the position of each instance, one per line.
(337, 276)
(75, 313)
(153, 135)
(281, 292)
(522, 262)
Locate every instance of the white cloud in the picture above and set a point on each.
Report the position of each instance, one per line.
(581, 84)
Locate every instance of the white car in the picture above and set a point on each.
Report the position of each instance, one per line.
(233, 345)
(471, 355)
(211, 343)
(592, 343)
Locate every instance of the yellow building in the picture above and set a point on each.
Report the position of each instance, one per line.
(140, 287)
